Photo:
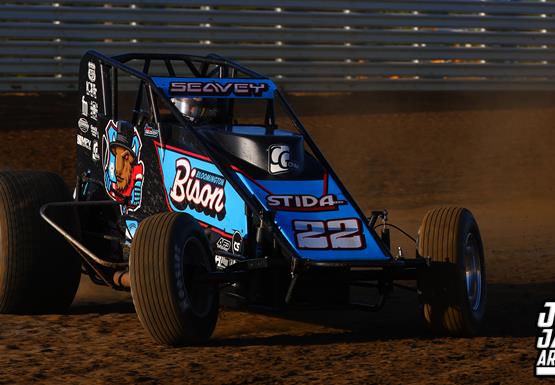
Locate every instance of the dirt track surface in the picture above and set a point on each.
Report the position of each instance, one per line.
(493, 156)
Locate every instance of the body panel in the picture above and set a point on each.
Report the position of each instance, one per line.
(194, 185)
(309, 207)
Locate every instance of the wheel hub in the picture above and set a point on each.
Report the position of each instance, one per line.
(473, 272)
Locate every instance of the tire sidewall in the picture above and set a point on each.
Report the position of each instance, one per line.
(185, 229)
(40, 271)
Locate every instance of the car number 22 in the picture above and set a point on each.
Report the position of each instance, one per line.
(326, 235)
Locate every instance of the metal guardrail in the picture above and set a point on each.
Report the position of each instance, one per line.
(306, 45)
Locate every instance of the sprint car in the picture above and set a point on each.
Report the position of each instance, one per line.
(196, 179)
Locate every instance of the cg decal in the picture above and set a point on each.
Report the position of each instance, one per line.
(123, 168)
(327, 235)
(279, 159)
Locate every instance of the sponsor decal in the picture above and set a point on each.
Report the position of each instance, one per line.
(150, 131)
(123, 168)
(91, 72)
(237, 243)
(84, 106)
(204, 193)
(95, 153)
(279, 159)
(93, 110)
(90, 89)
(210, 88)
(198, 189)
(84, 142)
(304, 202)
(327, 235)
(83, 125)
(545, 343)
(130, 228)
(223, 244)
(94, 131)
(223, 262)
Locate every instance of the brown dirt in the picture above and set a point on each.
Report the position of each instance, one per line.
(493, 156)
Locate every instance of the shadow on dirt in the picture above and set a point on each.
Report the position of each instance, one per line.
(121, 307)
(300, 340)
(512, 311)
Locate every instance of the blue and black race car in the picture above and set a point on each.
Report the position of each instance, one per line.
(196, 179)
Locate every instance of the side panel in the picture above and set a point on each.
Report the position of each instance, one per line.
(117, 164)
(316, 219)
(193, 184)
(123, 161)
(91, 119)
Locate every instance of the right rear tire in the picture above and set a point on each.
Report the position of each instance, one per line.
(169, 251)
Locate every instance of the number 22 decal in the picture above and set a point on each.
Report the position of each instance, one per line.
(326, 235)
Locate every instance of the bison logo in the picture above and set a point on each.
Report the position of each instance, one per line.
(123, 169)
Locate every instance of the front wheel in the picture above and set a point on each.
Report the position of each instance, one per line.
(453, 289)
(168, 254)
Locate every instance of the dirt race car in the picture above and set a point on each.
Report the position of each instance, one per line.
(195, 178)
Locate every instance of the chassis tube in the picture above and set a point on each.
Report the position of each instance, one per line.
(87, 255)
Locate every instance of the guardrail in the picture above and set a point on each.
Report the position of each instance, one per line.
(309, 45)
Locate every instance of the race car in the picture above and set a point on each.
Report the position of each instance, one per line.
(196, 180)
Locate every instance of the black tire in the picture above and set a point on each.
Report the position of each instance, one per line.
(39, 270)
(451, 303)
(168, 251)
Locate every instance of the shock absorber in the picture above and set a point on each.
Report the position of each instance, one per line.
(385, 231)
(259, 252)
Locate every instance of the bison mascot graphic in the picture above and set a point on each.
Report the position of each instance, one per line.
(123, 168)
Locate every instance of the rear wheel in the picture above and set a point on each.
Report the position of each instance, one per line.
(39, 270)
(169, 252)
(453, 289)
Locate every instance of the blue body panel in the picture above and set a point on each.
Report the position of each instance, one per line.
(314, 216)
(177, 167)
(261, 189)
